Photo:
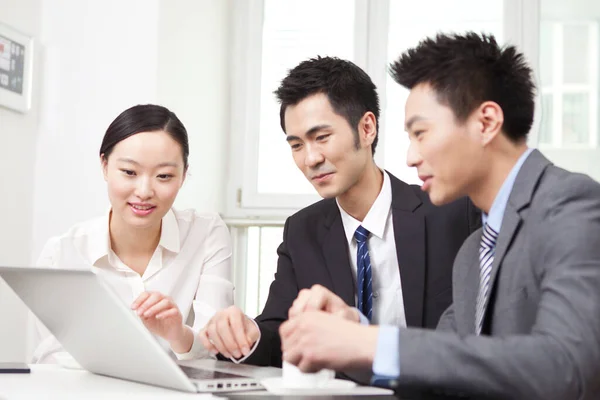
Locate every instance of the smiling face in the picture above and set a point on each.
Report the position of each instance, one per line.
(324, 145)
(144, 173)
(449, 156)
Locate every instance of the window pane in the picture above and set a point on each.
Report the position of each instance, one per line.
(547, 116)
(574, 85)
(546, 53)
(270, 239)
(294, 31)
(410, 22)
(576, 47)
(252, 272)
(261, 258)
(575, 118)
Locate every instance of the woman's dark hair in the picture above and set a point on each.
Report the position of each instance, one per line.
(145, 118)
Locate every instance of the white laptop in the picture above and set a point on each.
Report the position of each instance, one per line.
(104, 335)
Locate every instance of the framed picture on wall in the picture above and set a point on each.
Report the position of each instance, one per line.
(16, 69)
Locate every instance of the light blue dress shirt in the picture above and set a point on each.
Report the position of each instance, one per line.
(386, 365)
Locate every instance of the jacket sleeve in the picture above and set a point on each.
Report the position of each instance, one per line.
(560, 357)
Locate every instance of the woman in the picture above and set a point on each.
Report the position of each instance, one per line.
(161, 262)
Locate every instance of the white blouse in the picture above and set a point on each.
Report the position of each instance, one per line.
(191, 264)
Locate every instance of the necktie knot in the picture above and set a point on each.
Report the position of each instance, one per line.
(488, 237)
(361, 234)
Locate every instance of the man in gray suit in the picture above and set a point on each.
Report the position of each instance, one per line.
(525, 318)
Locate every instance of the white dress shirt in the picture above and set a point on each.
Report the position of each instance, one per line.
(388, 303)
(191, 264)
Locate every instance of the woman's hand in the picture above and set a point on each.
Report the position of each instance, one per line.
(162, 317)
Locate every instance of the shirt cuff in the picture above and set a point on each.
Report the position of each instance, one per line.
(362, 319)
(242, 359)
(386, 365)
(197, 350)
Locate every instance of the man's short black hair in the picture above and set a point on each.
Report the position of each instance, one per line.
(467, 70)
(349, 89)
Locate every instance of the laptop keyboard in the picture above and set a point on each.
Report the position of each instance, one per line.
(202, 374)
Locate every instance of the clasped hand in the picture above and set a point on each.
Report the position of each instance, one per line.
(324, 332)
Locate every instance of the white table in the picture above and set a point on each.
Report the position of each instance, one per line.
(56, 382)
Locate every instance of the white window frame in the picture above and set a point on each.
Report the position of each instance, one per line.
(558, 88)
(371, 33)
(521, 18)
(245, 207)
(244, 200)
(246, 281)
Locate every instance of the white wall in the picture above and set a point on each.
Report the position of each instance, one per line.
(17, 159)
(193, 81)
(97, 59)
(162, 51)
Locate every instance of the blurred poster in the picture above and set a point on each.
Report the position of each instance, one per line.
(12, 65)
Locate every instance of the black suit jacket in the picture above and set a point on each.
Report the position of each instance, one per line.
(315, 251)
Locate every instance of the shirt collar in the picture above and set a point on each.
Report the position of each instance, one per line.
(494, 218)
(169, 240)
(169, 235)
(376, 219)
(99, 239)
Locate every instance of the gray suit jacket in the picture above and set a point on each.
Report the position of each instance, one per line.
(541, 337)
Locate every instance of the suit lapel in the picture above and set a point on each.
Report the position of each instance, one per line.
(468, 296)
(409, 234)
(465, 284)
(334, 247)
(510, 224)
(520, 197)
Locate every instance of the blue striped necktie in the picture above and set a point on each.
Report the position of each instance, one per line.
(364, 280)
(486, 259)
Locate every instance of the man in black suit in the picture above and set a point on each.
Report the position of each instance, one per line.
(375, 241)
